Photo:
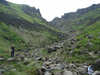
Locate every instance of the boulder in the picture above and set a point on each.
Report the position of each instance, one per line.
(67, 73)
(47, 73)
(58, 73)
(97, 64)
(14, 69)
(60, 66)
(83, 70)
(26, 62)
(96, 73)
(39, 58)
(40, 71)
(11, 59)
(2, 59)
(22, 57)
(2, 71)
(90, 44)
(52, 49)
(90, 36)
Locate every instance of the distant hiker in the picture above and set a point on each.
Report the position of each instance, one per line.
(12, 51)
(90, 69)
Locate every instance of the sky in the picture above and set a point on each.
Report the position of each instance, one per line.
(56, 8)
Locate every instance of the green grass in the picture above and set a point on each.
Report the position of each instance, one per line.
(82, 44)
(91, 30)
(24, 38)
(22, 70)
(7, 38)
(11, 35)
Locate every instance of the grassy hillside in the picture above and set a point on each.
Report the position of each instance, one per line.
(77, 20)
(8, 38)
(86, 45)
(90, 39)
(33, 38)
(23, 26)
(84, 25)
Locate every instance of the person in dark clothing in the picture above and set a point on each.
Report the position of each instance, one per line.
(12, 51)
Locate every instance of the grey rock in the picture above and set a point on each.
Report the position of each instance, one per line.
(90, 44)
(47, 73)
(90, 36)
(51, 49)
(39, 58)
(22, 57)
(60, 66)
(11, 59)
(96, 73)
(58, 73)
(13, 69)
(67, 73)
(2, 59)
(83, 69)
(26, 62)
(97, 64)
(2, 71)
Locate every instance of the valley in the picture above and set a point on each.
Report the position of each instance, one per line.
(64, 46)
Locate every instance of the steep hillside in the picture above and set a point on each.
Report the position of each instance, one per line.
(89, 42)
(23, 27)
(21, 22)
(85, 47)
(7, 38)
(84, 28)
(41, 49)
(77, 20)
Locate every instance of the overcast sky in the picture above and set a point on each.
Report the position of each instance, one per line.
(55, 8)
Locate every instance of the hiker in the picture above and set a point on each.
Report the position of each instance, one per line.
(90, 69)
(12, 51)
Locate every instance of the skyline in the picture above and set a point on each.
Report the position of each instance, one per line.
(53, 8)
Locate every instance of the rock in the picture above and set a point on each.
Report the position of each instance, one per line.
(26, 59)
(97, 64)
(90, 44)
(26, 62)
(47, 63)
(67, 73)
(41, 71)
(83, 70)
(90, 36)
(2, 71)
(22, 57)
(9, 67)
(58, 73)
(72, 66)
(2, 59)
(59, 66)
(96, 73)
(39, 58)
(47, 73)
(13, 69)
(51, 49)
(52, 66)
(11, 59)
